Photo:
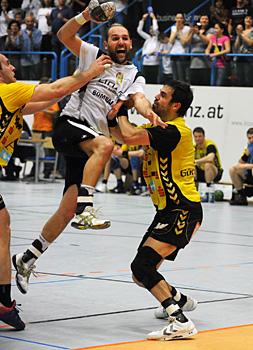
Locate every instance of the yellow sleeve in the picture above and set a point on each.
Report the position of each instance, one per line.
(124, 147)
(17, 95)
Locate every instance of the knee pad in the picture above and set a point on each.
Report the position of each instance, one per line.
(144, 267)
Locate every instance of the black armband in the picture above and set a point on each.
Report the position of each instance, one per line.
(112, 123)
(122, 111)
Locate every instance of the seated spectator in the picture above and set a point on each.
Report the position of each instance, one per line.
(150, 49)
(165, 48)
(207, 159)
(237, 15)
(242, 173)
(32, 37)
(218, 12)
(218, 47)
(199, 37)
(178, 39)
(14, 42)
(6, 16)
(244, 44)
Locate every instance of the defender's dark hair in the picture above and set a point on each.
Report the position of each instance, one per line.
(250, 131)
(182, 93)
(199, 129)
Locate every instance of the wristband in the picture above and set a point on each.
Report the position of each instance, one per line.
(80, 19)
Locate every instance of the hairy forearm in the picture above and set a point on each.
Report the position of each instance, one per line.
(207, 159)
(33, 107)
(141, 104)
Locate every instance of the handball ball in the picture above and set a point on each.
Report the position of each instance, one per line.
(101, 10)
(218, 196)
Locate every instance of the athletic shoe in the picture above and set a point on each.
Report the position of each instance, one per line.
(9, 315)
(190, 305)
(101, 187)
(23, 272)
(174, 330)
(238, 199)
(87, 219)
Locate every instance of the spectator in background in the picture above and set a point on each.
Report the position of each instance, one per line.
(165, 67)
(46, 45)
(14, 42)
(31, 7)
(77, 7)
(59, 16)
(178, 39)
(6, 16)
(18, 16)
(32, 37)
(207, 159)
(198, 37)
(119, 165)
(218, 47)
(237, 15)
(150, 49)
(244, 44)
(242, 173)
(218, 12)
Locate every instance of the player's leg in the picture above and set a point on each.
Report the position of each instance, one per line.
(8, 311)
(99, 151)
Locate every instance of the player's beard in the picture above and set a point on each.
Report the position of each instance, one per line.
(115, 58)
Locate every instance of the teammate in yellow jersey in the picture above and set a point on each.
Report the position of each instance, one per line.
(169, 174)
(16, 99)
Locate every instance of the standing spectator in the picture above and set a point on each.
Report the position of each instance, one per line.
(32, 40)
(242, 172)
(244, 44)
(14, 42)
(207, 159)
(218, 12)
(166, 67)
(77, 7)
(218, 46)
(18, 16)
(5, 17)
(178, 39)
(150, 49)
(120, 16)
(199, 37)
(60, 15)
(46, 45)
(31, 7)
(237, 15)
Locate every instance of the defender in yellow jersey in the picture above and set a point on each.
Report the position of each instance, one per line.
(169, 174)
(16, 99)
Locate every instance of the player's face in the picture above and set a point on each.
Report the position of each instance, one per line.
(163, 105)
(7, 71)
(199, 138)
(250, 138)
(118, 44)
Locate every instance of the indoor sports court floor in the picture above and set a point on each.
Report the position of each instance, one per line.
(83, 296)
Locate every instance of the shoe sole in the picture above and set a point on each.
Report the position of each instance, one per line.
(23, 291)
(85, 227)
(179, 335)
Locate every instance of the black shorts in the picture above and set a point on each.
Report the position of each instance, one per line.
(248, 178)
(68, 133)
(2, 204)
(175, 227)
(201, 175)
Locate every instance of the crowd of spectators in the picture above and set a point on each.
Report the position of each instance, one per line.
(32, 25)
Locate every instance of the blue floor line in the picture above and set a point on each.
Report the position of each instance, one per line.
(35, 342)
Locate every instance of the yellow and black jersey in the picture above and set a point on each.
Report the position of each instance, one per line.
(168, 166)
(13, 97)
(209, 147)
(247, 156)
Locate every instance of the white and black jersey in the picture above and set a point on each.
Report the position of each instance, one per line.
(93, 101)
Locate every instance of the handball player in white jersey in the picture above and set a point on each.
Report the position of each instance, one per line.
(82, 134)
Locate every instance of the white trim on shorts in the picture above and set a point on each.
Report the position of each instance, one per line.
(83, 127)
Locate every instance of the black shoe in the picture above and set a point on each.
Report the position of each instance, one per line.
(10, 316)
(118, 189)
(238, 199)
